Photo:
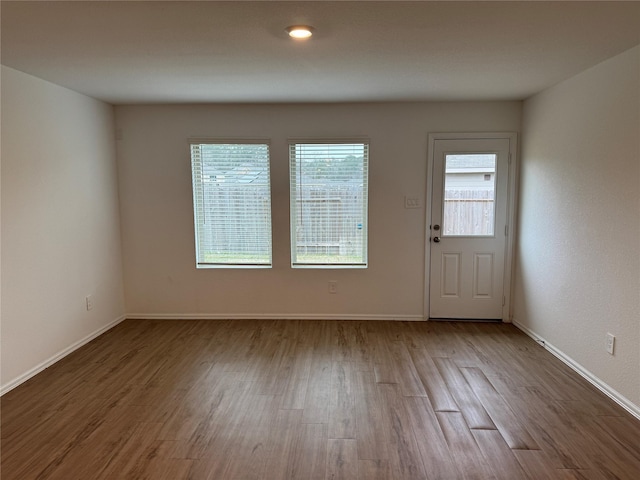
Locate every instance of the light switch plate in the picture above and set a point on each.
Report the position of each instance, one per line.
(411, 202)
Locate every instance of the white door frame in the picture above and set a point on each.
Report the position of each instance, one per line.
(511, 212)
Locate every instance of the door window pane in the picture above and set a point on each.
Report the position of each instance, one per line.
(469, 195)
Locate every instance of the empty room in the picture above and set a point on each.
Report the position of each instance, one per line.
(320, 240)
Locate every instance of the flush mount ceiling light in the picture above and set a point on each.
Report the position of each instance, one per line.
(300, 31)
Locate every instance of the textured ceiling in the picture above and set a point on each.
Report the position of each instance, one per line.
(162, 52)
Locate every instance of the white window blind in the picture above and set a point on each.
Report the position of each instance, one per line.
(232, 204)
(329, 189)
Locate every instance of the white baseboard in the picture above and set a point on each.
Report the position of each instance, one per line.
(271, 316)
(613, 394)
(58, 356)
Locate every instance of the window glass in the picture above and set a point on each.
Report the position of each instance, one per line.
(469, 197)
(329, 188)
(232, 204)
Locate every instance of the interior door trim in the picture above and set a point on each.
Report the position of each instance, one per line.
(512, 192)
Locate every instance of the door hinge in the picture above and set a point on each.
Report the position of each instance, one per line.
(509, 158)
(504, 300)
(506, 230)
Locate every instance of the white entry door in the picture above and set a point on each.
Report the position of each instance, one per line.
(468, 230)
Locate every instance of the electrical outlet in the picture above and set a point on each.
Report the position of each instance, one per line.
(89, 301)
(611, 342)
(333, 286)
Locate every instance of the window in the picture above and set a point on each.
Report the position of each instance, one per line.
(232, 204)
(469, 194)
(329, 187)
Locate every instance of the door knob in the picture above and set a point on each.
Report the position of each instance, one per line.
(436, 239)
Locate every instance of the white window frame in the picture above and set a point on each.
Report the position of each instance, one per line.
(199, 204)
(295, 212)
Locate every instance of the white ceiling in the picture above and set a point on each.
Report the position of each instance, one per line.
(182, 51)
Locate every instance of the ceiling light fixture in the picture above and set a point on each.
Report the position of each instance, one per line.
(300, 31)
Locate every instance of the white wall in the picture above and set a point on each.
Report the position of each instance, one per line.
(578, 274)
(157, 216)
(60, 223)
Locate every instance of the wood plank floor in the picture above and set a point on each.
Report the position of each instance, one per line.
(314, 400)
